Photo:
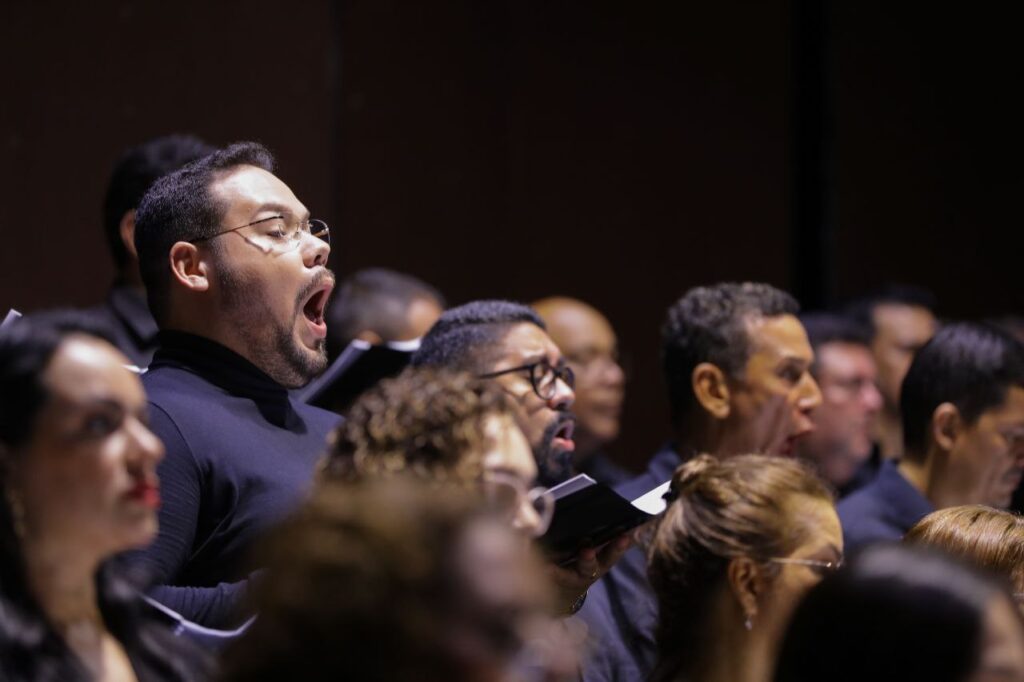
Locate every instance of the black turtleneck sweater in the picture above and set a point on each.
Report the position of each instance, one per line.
(240, 455)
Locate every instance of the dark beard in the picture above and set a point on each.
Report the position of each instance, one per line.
(553, 467)
(272, 347)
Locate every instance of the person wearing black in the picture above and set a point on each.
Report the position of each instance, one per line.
(962, 403)
(236, 277)
(124, 311)
(737, 364)
(78, 482)
(506, 342)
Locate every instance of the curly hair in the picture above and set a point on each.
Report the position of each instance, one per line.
(428, 422)
(369, 581)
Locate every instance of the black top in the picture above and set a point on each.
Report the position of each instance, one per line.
(621, 611)
(600, 467)
(885, 509)
(127, 316)
(240, 455)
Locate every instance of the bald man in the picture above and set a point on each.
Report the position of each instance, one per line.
(588, 343)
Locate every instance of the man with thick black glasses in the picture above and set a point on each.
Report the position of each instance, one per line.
(507, 342)
(236, 277)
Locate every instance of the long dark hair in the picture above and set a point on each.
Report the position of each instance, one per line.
(30, 648)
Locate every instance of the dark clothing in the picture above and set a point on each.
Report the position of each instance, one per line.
(240, 455)
(600, 467)
(623, 612)
(126, 314)
(885, 509)
(865, 473)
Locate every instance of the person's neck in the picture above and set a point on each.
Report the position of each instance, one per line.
(705, 436)
(889, 434)
(736, 655)
(62, 578)
(928, 475)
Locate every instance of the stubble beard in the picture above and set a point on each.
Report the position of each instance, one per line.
(269, 345)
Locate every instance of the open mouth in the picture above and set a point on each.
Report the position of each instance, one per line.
(563, 435)
(315, 306)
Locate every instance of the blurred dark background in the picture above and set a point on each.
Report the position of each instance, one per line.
(616, 152)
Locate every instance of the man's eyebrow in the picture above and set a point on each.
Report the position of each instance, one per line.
(286, 211)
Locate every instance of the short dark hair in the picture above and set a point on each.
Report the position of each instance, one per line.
(136, 171)
(968, 364)
(464, 338)
(863, 309)
(180, 207)
(374, 299)
(824, 328)
(708, 324)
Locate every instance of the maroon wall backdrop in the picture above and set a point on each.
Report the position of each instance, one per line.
(619, 152)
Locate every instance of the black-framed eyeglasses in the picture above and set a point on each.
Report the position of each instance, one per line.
(276, 234)
(543, 377)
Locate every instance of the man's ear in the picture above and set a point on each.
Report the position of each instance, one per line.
(127, 230)
(946, 426)
(711, 389)
(188, 266)
(747, 584)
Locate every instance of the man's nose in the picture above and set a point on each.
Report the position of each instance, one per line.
(314, 250)
(871, 396)
(810, 393)
(563, 397)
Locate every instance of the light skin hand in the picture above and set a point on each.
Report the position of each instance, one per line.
(590, 566)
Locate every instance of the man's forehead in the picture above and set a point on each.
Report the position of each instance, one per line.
(249, 189)
(525, 342)
(781, 336)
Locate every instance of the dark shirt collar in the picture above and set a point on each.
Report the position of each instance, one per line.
(905, 505)
(225, 368)
(130, 307)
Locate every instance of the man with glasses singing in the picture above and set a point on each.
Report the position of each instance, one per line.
(507, 343)
(236, 277)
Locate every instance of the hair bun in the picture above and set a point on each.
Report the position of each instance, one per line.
(686, 473)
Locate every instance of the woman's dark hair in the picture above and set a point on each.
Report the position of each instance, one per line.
(896, 613)
(29, 647)
(719, 510)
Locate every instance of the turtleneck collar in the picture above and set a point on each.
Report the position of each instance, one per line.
(225, 368)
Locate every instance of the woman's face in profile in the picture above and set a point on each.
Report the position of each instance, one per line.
(87, 477)
(819, 553)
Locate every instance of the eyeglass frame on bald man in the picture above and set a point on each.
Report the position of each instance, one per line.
(322, 231)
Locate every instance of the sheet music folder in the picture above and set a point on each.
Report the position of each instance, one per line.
(358, 367)
(590, 514)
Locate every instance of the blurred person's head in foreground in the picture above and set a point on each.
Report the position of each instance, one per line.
(737, 365)
(742, 539)
(135, 172)
(590, 347)
(900, 319)
(390, 580)
(900, 613)
(991, 539)
(962, 404)
(507, 342)
(845, 371)
(378, 305)
(79, 485)
(446, 428)
(228, 252)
